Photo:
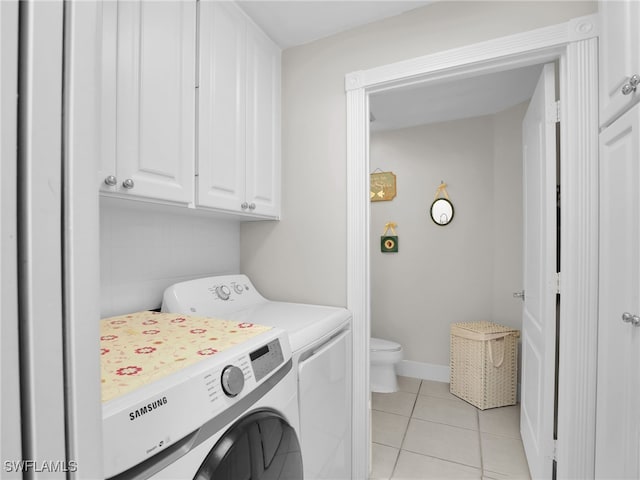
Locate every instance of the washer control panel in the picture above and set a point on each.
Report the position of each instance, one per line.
(211, 296)
(266, 359)
(229, 290)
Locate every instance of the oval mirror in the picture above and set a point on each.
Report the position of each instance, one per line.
(441, 211)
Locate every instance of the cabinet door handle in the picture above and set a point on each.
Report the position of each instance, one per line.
(244, 205)
(111, 180)
(630, 87)
(252, 206)
(128, 184)
(632, 319)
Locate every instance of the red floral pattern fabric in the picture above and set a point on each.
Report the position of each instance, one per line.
(142, 347)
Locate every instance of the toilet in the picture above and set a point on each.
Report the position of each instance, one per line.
(383, 357)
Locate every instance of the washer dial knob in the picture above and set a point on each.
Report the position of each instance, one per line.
(238, 288)
(223, 292)
(232, 380)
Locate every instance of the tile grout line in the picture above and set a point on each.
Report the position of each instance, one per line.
(444, 424)
(480, 444)
(415, 400)
(446, 460)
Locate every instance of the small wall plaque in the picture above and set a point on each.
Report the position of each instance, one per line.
(389, 243)
(382, 186)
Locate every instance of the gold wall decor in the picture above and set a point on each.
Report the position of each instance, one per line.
(382, 186)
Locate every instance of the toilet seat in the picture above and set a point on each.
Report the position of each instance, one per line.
(380, 345)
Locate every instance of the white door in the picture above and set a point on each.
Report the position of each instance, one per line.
(539, 311)
(618, 397)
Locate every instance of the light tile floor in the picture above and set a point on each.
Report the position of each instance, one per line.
(424, 432)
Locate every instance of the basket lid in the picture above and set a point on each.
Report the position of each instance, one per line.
(483, 328)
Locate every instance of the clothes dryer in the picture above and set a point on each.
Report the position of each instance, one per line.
(320, 338)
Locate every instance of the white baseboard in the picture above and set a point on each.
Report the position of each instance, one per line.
(429, 371)
(424, 371)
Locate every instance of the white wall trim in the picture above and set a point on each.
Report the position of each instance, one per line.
(358, 281)
(498, 51)
(81, 239)
(574, 44)
(425, 371)
(579, 262)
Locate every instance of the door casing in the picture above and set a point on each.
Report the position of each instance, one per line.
(574, 45)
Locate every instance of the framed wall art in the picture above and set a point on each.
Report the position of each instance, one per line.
(382, 186)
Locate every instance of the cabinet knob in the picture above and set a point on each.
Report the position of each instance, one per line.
(632, 319)
(244, 205)
(630, 87)
(111, 180)
(128, 184)
(252, 206)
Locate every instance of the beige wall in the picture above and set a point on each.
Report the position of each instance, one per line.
(303, 257)
(467, 270)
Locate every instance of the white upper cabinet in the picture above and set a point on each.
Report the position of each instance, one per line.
(222, 106)
(239, 114)
(619, 57)
(149, 65)
(263, 124)
(152, 83)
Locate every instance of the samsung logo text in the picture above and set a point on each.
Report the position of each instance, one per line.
(147, 408)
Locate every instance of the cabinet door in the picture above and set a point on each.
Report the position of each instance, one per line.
(618, 415)
(222, 104)
(155, 119)
(324, 381)
(263, 124)
(619, 55)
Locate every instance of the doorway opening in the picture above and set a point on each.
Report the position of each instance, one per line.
(474, 134)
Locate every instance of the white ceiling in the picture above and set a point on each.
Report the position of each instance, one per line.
(295, 22)
(291, 23)
(446, 101)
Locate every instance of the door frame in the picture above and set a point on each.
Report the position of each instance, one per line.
(575, 45)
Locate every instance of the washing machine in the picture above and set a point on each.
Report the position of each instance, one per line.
(321, 344)
(232, 416)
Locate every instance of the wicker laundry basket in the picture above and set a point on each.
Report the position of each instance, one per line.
(484, 363)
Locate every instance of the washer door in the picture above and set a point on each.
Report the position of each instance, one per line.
(260, 445)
